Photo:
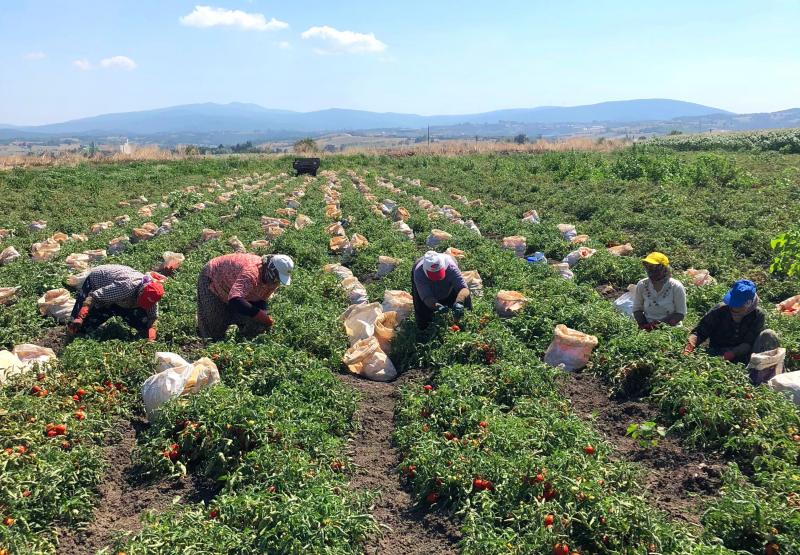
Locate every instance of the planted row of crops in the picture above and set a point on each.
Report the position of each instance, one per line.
(487, 438)
(786, 141)
(707, 401)
(272, 434)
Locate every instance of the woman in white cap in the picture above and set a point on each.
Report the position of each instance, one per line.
(233, 289)
(436, 285)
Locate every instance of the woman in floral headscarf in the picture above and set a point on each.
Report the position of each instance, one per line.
(659, 298)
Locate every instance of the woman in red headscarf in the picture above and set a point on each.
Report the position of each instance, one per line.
(116, 290)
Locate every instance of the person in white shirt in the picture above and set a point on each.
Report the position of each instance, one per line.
(659, 298)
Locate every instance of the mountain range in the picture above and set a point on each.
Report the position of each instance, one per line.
(210, 121)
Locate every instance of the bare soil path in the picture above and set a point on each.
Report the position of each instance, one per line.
(124, 499)
(677, 481)
(407, 529)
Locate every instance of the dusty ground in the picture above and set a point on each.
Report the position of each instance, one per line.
(124, 499)
(407, 530)
(677, 481)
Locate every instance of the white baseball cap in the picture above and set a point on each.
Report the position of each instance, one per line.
(284, 265)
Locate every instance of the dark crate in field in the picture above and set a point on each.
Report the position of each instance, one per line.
(306, 166)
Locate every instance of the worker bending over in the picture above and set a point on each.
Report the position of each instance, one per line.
(437, 285)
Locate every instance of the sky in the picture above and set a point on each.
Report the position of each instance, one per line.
(65, 59)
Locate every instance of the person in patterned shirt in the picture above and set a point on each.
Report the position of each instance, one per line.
(116, 290)
(233, 290)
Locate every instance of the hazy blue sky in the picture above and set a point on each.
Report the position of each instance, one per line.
(65, 59)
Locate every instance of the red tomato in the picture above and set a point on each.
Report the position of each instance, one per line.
(682, 411)
(432, 497)
(589, 450)
(561, 549)
(481, 484)
(26, 493)
(548, 520)
(428, 387)
(81, 392)
(483, 424)
(35, 389)
(455, 327)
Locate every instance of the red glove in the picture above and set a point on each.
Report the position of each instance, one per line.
(729, 356)
(649, 326)
(151, 334)
(74, 327)
(688, 349)
(263, 318)
(82, 313)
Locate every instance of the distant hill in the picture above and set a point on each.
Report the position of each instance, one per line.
(240, 117)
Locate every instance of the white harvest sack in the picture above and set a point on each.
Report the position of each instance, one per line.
(509, 303)
(386, 265)
(176, 377)
(395, 300)
(437, 236)
(765, 366)
(56, 303)
(570, 348)
(7, 294)
(789, 382)
(474, 282)
(366, 359)
(624, 303)
(578, 254)
(515, 243)
(359, 321)
(9, 255)
(76, 280)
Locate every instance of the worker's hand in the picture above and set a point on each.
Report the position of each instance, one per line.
(263, 318)
(151, 334)
(729, 355)
(83, 313)
(440, 308)
(649, 326)
(75, 326)
(458, 310)
(688, 349)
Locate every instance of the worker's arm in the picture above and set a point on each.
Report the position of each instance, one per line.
(638, 305)
(462, 295)
(243, 307)
(691, 344)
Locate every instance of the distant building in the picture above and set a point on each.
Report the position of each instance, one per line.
(126, 148)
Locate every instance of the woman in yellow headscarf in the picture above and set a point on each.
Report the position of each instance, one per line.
(659, 298)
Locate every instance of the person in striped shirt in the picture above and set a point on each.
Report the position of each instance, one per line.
(233, 289)
(116, 290)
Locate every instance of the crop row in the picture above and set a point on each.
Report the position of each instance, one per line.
(702, 388)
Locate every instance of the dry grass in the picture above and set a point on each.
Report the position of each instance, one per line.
(440, 148)
(74, 158)
(456, 148)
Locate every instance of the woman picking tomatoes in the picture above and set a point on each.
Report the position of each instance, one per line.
(436, 286)
(659, 298)
(233, 290)
(116, 290)
(735, 329)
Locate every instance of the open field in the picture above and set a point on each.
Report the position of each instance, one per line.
(478, 447)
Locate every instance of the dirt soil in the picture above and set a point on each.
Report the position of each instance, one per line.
(124, 499)
(677, 481)
(408, 530)
(54, 338)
